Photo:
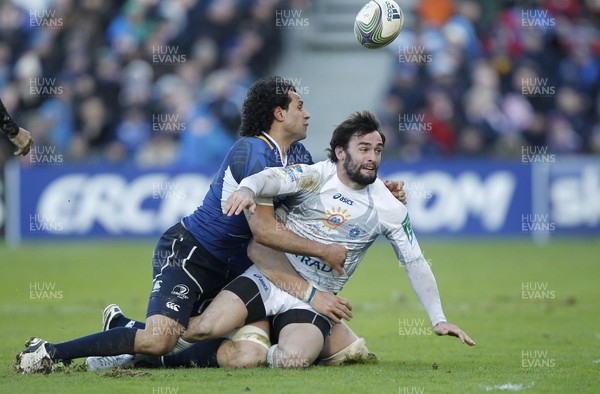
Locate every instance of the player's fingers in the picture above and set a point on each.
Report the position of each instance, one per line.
(400, 185)
(228, 205)
(252, 208)
(391, 185)
(402, 197)
(347, 303)
(241, 206)
(467, 339)
(344, 315)
(229, 208)
(333, 317)
(348, 313)
(463, 337)
(28, 147)
(344, 312)
(22, 151)
(340, 271)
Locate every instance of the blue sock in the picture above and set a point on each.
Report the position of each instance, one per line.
(123, 321)
(108, 343)
(203, 355)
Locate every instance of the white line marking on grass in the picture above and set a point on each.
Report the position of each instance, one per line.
(509, 387)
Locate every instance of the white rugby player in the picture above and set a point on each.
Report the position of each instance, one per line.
(339, 200)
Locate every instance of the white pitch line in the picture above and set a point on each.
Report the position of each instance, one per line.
(509, 387)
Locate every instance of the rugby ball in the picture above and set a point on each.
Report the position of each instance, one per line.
(378, 23)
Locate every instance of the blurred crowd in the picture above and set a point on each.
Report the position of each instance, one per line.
(155, 81)
(162, 81)
(495, 78)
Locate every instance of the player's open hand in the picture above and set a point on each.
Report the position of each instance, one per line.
(397, 189)
(444, 328)
(334, 307)
(238, 201)
(334, 255)
(23, 141)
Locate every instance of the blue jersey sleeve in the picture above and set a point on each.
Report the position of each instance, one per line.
(246, 160)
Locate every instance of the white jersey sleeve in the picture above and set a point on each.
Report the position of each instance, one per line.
(398, 230)
(278, 181)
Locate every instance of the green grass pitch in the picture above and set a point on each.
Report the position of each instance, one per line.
(533, 311)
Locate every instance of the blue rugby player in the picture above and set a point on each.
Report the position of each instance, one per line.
(197, 257)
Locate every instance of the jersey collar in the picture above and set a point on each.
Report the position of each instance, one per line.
(281, 155)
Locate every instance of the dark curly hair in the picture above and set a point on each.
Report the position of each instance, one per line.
(359, 124)
(263, 97)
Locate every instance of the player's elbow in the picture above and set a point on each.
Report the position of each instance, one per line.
(262, 234)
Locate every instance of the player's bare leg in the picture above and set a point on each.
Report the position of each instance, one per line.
(342, 345)
(299, 346)
(248, 347)
(159, 337)
(224, 314)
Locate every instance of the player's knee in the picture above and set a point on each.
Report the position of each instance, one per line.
(247, 349)
(294, 357)
(247, 359)
(147, 342)
(199, 329)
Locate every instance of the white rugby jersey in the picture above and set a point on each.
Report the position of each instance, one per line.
(320, 207)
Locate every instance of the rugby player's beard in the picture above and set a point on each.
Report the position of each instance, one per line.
(353, 172)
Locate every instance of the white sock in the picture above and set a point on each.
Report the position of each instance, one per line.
(180, 346)
(271, 356)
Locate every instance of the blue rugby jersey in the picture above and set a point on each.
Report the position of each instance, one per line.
(226, 238)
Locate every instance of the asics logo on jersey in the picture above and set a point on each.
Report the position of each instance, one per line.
(343, 199)
(172, 305)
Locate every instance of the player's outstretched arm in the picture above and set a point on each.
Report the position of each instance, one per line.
(445, 328)
(425, 287)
